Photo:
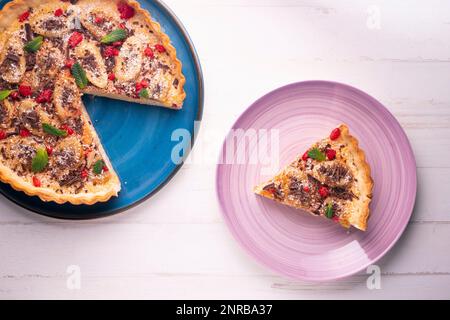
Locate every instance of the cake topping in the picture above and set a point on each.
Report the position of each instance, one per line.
(335, 134)
(331, 154)
(25, 90)
(75, 39)
(59, 12)
(126, 11)
(24, 16)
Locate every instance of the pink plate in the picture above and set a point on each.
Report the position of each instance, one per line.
(290, 241)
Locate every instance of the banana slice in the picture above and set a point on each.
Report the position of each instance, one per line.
(66, 97)
(47, 24)
(12, 59)
(92, 62)
(68, 153)
(29, 116)
(6, 113)
(49, 60)
(98, 22)
(129, 61)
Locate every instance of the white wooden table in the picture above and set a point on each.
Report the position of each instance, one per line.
(176, 245)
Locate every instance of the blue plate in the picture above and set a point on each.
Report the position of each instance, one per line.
(137, 138)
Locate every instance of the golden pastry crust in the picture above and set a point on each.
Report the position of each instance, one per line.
(99, 188)
(355, 181)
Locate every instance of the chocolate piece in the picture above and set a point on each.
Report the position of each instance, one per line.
(30, 118)
(71, 178)
(52, 24)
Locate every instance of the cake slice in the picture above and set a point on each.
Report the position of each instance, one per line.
(331, 179)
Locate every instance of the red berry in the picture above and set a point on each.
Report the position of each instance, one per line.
(49, 150)
(149, 53)
(2, 134)
(160, 48)
(25, 90)
(331, 154)
(36, 182)
(84, 173)
(59, 12)
(14, 95)
(144, 83)
(122, 26)
(105, 169)
(110, 51)
(305, 156)
(336, 133)
(138, 87)
(99, 20)
(24, 133)
(75, 39)
(45, 96)
(69, 63)
(68, 129)
(306, 188)
(112, 76)
(323, 191)
(126, 11)
(24, 16)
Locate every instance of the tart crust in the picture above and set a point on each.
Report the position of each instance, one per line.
(357, 211)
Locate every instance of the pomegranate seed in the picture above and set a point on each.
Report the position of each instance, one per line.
(45, 96)
(160, 48)
(331, 154)
(144, 84)
(2, 134)
(59, 12)
(25, 90)
(110, 51)
(49, 150)
(99, 20)
(105, 169)
(122, 26)
(14, 95)
(138, 87)
(323, 191)
(306, 188)
(149, 53)
(69, 63)
(36, 182)
(24, 16)
(84, 173)
(126, 11)
(24, 133)
(68, 129)
(305, 156)
(112, 76)
(75, 39)
(336, 133)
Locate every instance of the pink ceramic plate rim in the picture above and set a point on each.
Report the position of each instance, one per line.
(389, 119)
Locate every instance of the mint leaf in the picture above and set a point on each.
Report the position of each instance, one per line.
(316, 154)
(98, 166)
(144, 94)
(40, 160)
(48, 128)
(329, 211)
(4, 94)
(80, 75)
(115, 35)
(34, 45)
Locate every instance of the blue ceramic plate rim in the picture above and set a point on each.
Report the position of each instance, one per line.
(162, 6)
